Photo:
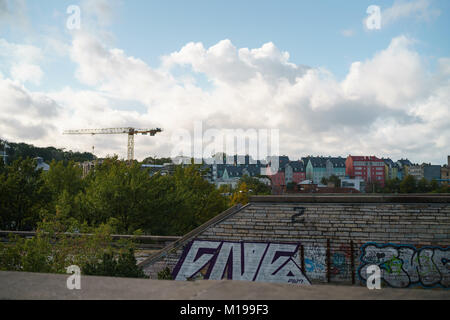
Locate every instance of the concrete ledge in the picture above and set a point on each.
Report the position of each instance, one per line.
(355, 198)
(36, 286)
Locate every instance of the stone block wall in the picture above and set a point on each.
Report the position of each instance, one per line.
(335, 239)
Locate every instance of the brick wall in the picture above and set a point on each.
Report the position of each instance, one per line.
(339, 236)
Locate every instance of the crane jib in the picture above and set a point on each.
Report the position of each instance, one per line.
(130, 131)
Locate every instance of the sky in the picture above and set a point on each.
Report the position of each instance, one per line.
(313, 70)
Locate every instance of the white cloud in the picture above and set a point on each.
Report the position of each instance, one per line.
(348, 32)
(14, 11)
(25, 115)
(389, 105)
(27, 72)
(22, 61)
(419, 9)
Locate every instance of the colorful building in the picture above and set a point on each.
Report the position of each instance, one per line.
(369, 168)
(288, 172)
(318, 168)
(391, 169)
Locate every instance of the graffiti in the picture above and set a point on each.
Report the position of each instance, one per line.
(301, 211)
(338, 265)
(315, 264)
(340, 261)
(249, 261)
(404, 265)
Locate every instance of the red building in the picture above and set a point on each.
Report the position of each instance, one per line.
(293, 171)
(370, 169)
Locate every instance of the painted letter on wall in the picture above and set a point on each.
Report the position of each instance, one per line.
(404, 265)
(249, 261)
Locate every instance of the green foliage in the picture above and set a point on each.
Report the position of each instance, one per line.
(23, 193)
(118, 191)
(157, 161)
(165, 274)
(122, 266)
(255, 186)
(52, 251)
(23, 150)
(392, 185)
(408, 185)
(373, 187)
(240, 196)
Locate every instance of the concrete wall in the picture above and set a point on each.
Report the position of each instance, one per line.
(319, 239)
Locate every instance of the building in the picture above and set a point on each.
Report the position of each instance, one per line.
(231, 174)
(368, 168)
(165, 169)
(403, 166)
(417, 171)
(445, 170)
(335, 166)
(41, 164)
(290, 172)
(425, 170)
(355, 183)
(391, 169)
(432, 172)
(294, 172)
(318, 168)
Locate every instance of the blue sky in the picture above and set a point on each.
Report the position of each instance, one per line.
(323, 35)
(311, 31)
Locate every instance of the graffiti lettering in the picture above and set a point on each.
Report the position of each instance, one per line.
(404, 265)
(294, 217)
(249, 261)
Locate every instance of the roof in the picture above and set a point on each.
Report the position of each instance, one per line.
(364, 158)
(297, 166)
(234, 171)
(404, 162)
(337, 162)
(321, 162)
(316, 162)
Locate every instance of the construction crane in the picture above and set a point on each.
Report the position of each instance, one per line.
(130, 131)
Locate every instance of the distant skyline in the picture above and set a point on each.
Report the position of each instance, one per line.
(310, 69)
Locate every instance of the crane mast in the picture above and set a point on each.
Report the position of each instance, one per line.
(129, 131)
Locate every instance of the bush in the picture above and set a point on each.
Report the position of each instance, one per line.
(122, 266)
(165, 274)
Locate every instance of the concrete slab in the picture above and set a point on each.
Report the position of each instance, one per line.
(20, 285)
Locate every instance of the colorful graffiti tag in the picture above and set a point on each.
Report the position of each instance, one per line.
(250, 261)
(315, 262)
(404, 265)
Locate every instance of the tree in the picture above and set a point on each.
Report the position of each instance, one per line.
(434, 185)
(408, 185)
(156, 161)
(240, 196)
(119, 191)
(392, 185)
(423, 186)
(22, 195)
(255, 185)
(335, 180)
(373, 187)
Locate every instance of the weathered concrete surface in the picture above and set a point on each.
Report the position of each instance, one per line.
(19, 285)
